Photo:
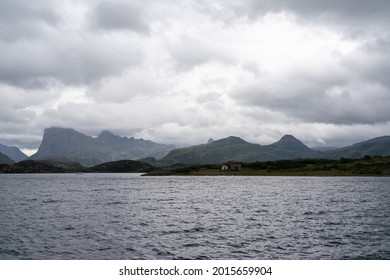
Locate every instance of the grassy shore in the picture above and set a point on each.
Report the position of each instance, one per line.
(367, 166)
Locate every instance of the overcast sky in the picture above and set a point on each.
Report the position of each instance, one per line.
(182, 71)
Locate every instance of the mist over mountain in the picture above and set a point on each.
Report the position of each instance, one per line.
(13, 153)
(67, 144)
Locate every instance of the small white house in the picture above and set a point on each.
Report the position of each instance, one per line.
(224, 167)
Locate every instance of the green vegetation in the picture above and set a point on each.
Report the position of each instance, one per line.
(46, 166)
(366, 166)
(122, 166)
(42, 166)
(375, 146)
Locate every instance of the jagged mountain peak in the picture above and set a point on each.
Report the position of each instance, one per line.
(107, 135)
(68, 144)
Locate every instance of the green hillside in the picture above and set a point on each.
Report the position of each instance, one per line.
(236, 149)
(366, 166)
(379, 146)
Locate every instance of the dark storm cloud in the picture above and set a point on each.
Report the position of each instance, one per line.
(108, 15)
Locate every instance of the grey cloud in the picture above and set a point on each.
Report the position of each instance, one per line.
(97, 51)
(356, 15)
(193, 51)
(26, 19)
(318, 101)
(109, 15)
(371, 62)
(70, 60)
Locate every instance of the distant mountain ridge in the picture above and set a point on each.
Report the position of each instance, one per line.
(288, 147)
(379, 146)
(236, 149)
(13, 153)
(67, 144)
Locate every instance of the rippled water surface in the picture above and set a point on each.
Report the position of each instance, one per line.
(126, 216)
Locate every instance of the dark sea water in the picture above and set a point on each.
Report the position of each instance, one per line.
(126, 216)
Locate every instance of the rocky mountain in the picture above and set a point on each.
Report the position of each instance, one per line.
(65, 144)
(4, 159)
(379, 146)
(13, 153)
(236, 149)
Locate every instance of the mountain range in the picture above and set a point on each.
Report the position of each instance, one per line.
(69, 145)
(66, 144)
(288, 147)
(236, 149)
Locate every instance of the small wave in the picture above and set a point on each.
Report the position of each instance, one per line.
(51, 201)
(169, 232)
(310, 213)
(203, 257)
(194, 230)
(162, 252)
(104, 249)
(116, 203)
(191, 245)
(334, 243)
(332, 223)
(9, 252)
(261, 211)
(69, 228)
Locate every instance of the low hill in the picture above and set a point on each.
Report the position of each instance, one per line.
(379, 146)
(32, 166)
(122, 166)
(46, 166)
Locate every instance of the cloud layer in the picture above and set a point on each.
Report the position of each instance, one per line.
(185, 71)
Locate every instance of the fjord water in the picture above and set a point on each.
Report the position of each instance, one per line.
(126, 216)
